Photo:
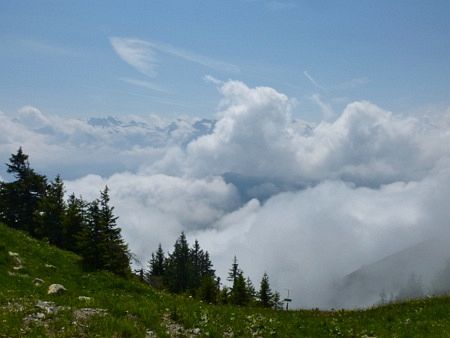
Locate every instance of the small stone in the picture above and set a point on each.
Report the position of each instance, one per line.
(56, 289)
(150, 334)
(50, 266)
(38, 281)
(84, 298)
(40, 315)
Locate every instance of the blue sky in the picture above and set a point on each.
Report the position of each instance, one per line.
(59, 55)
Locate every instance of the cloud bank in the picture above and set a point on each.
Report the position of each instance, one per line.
(308, 203)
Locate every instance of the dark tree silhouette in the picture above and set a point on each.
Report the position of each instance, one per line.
(20, 198)
(265, 293)
(50, 213)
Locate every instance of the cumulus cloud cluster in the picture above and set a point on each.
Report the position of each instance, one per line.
(308, 203)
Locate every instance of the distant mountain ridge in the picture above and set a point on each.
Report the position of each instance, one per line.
(390, 275)
(155, 131)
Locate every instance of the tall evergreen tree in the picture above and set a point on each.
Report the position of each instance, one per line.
(250, 289)
(90, 238)
(18, 165)
(239, 292)
(156, 269)
(114, 250)
(74, 223)
(201, 266)
(50, 213)
(101, 244)
(265, 293)
(209, 289)
(157, 262)
(178, 266)
(234, 270)
(20, 198)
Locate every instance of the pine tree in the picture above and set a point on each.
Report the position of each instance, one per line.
(209, 289)
(90, 237)
(157, 263)
(265, 293)
(19, 199)
(114, 250)
(250, 289)
(178, 266)
(277, 303)
(224, 296)
(50, 213)
(156, 269)
(239, 292)
(101, 244)
(18, 165)
(234, 270)
(196, 256)
(201, 266)
(74, 223)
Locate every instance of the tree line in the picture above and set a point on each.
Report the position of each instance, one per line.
(33, 204)
(189, 270)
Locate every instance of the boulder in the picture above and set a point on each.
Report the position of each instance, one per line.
(56, 289)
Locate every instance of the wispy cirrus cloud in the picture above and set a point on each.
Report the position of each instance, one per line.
(137, 54)
(144, 84)
(141, 54)
(313, 80)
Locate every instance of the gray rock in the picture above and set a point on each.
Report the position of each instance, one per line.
(56, 289)
(49, 307)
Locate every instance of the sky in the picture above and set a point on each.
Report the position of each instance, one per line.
(309, 139)
(104, 58)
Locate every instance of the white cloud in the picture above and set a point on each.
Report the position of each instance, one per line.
(327, 110)
(309, 239)
(136, 53)
(141, 54)
(376, 182)
(156, 208)
(144, 84)
(313, 81)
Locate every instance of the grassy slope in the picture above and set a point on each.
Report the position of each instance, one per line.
(133, 308)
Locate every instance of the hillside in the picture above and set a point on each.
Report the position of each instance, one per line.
(391, 274)
(101, 304)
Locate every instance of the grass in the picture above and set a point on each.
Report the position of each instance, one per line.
(136, 310)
